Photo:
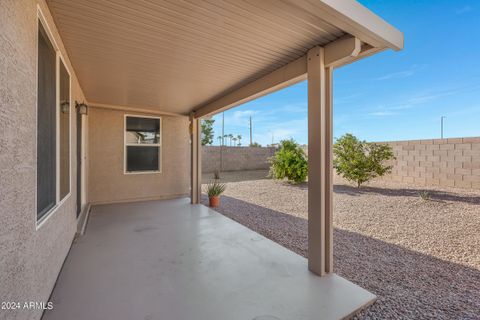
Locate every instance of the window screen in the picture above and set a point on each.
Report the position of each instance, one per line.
(46, 125)
(143, 144)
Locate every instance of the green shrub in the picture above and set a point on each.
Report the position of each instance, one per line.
(289, 162)
(425, 195)
(360, 161)
(207, 131)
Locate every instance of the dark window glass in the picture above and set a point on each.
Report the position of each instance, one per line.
(142, 138)
(142, 158)
(64, 113)
(143, 130)
(46, 128)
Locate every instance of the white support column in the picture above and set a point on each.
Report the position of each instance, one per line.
(196, 160)
(328, 170)
(320, 184)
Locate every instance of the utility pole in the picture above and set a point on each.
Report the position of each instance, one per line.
(223, 128)
(223, 141)
(441, 126)
(251, 131)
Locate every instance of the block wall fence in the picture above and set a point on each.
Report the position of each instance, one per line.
(437, 162)
(452, 162)
(236, 158)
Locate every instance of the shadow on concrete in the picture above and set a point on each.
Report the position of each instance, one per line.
(409, 285)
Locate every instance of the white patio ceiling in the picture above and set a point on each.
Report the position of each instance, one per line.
(178, 55)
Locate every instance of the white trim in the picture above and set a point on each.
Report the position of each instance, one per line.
(50, 213)
(135, 109)
(79, 166)
(82, 220)
(71, 110)
(36, 117)
(58, 57)
(57, 128)
(41, 18)
(83, 160)
(125, 144)
(82, 165)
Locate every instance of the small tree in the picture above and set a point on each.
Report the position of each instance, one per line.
(255, 144)
(207, 132)
(289, 162)
(360, 161)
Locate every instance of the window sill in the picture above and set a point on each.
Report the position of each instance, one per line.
(142, 172)
(51, 212)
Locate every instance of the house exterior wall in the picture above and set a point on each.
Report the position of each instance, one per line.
(30, 259)
(236, 158)
(438, 162)
(107, 181)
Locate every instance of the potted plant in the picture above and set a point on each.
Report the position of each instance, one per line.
(214, 190)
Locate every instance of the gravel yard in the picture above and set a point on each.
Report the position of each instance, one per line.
(420, 257)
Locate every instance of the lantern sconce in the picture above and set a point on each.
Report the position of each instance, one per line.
(82, 108)
(65, 107)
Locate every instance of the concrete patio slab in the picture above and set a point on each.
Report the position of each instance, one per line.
(176, 261)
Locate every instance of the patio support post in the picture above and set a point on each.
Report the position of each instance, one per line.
(328, 169)
(320, 184)
(196, 159)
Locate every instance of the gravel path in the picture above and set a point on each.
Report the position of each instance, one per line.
(420, 257)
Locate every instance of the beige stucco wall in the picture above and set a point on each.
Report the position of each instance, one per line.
(107, 180)
(30, 259)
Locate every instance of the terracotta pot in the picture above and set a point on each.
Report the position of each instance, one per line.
(214, 201)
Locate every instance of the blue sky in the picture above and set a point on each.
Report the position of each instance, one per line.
(392, 95)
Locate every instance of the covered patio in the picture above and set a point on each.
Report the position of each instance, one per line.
(173, 260)
(150, 72)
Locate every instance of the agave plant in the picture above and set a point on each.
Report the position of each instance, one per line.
(215, 188)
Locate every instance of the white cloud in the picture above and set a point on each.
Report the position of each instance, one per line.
(295, 108)
(403, 73)
(425, 98)
(282, 134)
(419, 99)
(383, 113)
(244, 113)
(397, 75)
(281, 130)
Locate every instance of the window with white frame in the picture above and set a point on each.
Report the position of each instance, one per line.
(143, 144)
(53, 126)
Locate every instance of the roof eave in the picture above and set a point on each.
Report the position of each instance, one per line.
(357, 20)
